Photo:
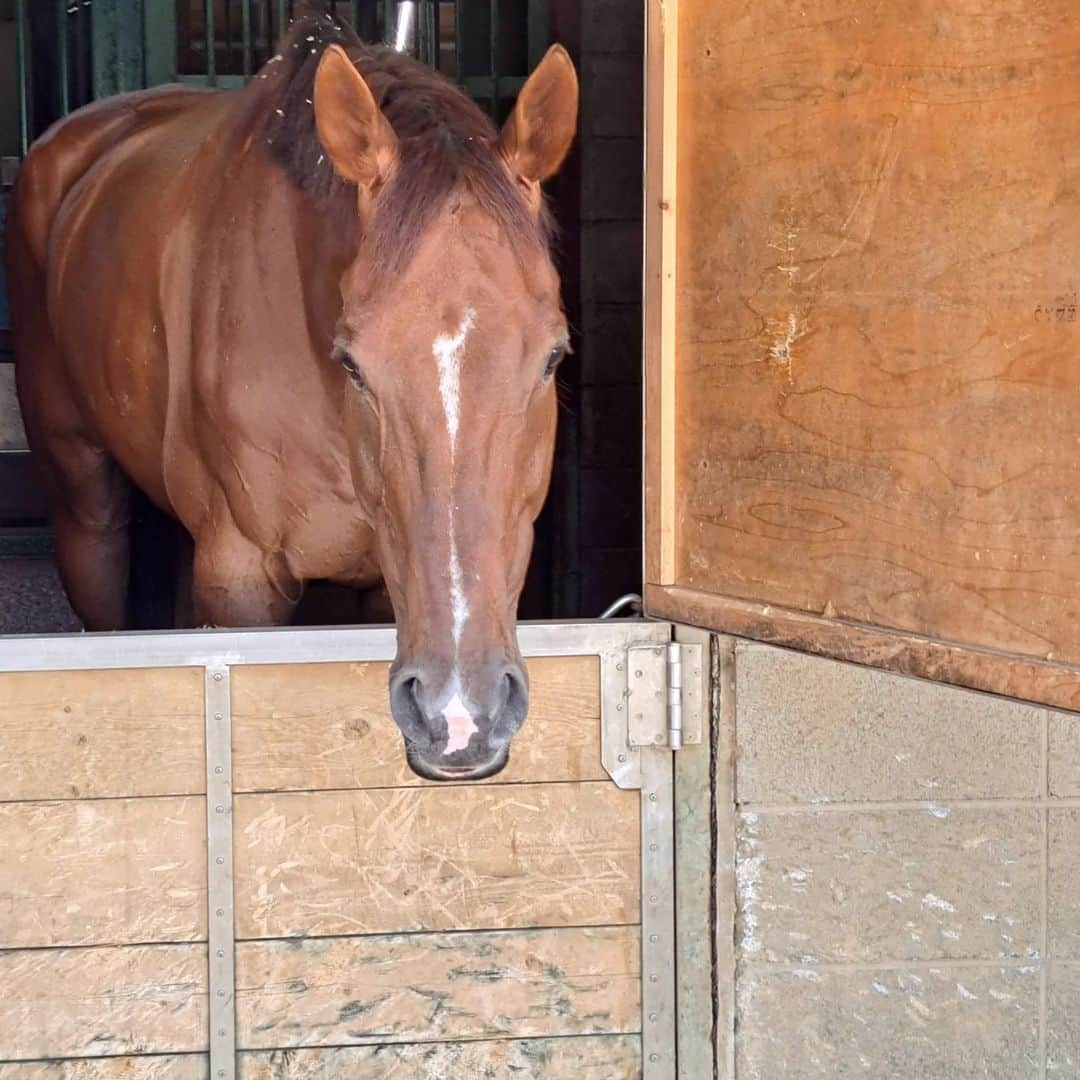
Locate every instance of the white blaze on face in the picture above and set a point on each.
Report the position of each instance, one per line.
(448, 351)
(459, 725)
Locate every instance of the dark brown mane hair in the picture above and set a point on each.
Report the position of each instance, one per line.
(445, 142)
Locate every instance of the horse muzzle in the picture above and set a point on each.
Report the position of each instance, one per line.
(459, 727)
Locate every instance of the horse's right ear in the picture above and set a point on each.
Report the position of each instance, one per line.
(358, 138)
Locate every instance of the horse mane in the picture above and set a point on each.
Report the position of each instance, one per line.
(446, 144)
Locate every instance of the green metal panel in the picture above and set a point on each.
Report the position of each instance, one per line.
(159, 41)
(117, 42)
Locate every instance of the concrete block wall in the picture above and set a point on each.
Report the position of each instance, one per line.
(907, 877)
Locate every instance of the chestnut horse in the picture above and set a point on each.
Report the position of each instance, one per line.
(315, 320)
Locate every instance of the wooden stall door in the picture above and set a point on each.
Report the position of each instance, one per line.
(863, 325)
(214, 862)
(387, 926)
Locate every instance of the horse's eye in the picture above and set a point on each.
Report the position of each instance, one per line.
(554, 359)
(351, 368)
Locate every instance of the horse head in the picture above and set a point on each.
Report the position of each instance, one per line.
(450, 334)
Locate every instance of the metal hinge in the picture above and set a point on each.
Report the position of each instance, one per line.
(665, 693)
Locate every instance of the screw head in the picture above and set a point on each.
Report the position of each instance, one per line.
(217, 676)
(619, 707)
(218, 769)
(652, 1017)
(221, 993)
(218, 716)
(220, 912)
(652, 797)
(618, 667)
(220, 809)
(637, 674)
(622, 757)
(654, 1057)
(652, 937)
(654, 978)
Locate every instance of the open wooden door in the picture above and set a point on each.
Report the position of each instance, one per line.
(863, 415)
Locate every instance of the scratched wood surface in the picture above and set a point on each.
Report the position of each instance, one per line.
(436, 987)
(148, 1067)
(287, 736)
(97, 872)
(101, 1002)
(92, 734)
(878, 324)
(591, 1057)
(436, 858)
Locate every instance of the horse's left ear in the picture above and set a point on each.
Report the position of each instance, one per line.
(538, 134)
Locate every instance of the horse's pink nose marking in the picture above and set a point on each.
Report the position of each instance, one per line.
(459, 725)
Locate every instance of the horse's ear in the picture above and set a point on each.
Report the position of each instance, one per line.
(357, 137)
(538, 134)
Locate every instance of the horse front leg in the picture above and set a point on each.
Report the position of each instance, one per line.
(237, 583)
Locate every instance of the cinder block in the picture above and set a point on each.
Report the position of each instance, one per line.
(1064, 755)
(613, 26)
(611, 269)
(610, 507)
(926, 1024)
(610, 349)
(812, 730)
(611, 94)
(1063, 1021)
(611, 177)
(610, 422)
(1063, 891)
(890, 885)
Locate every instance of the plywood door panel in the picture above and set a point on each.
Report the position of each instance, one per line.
(436, 858)
(95, 872)
(148, 1067)
(94, 734)
(877, 404)
(102, 1002)
(432, 987)
(286, 736)
(590, 1057)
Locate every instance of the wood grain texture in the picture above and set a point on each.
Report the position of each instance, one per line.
(148, 1067)
(1013, 676)
(287, 736)
(590, 1057)
(102, 872)
(436, 858)
(436, 987)
(99, 1002)
(92, 734)
(878, 319)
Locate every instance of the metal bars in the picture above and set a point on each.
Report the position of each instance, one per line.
(23, 74)
(219, 875)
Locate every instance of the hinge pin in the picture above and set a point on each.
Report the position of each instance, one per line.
(675, 718)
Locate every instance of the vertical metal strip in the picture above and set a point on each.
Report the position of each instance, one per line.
(245, 27)
(219, 875)
(282, 17)
(209, 35)
(23, 75)
(658, 946)
(62, 56)
(539, 31)
(494, 50)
